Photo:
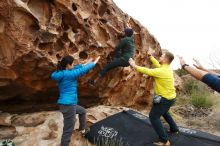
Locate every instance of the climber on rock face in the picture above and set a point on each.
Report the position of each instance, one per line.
(208, 77)
(66, 76)
(123, 51)
(165, 95)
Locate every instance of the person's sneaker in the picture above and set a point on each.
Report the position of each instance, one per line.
(91, 82)
(85, 131)
(160, 143)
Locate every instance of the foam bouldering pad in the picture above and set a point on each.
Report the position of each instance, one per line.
(130, 128)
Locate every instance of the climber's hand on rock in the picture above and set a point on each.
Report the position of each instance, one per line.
(182, 61)
(198, 64)
(149, 54)
(97, 59)
(132, 63)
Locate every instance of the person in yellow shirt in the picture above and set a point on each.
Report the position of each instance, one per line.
(165, 95)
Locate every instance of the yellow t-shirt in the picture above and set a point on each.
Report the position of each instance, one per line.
(164, 78)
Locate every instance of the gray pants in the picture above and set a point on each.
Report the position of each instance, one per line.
(69, 115)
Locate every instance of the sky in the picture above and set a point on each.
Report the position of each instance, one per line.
(189, 28)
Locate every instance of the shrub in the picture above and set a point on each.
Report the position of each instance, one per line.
(200, 97)
(182, 99)
(191, 86)
(180, 72)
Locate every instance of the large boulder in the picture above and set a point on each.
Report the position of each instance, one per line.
(35, 34)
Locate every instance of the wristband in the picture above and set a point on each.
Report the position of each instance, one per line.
(184, 65)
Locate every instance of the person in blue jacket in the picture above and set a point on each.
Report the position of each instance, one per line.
(66, 76)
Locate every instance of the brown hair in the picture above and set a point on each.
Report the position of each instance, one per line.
(169, 56)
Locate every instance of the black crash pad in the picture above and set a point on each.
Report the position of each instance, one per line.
(130, 128)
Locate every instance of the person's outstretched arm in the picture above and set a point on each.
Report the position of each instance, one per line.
(75, 73)
(154, 61)
(195, 72)
(199, 66)
(151, 72)
(206, 77)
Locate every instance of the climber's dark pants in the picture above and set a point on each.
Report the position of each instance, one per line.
(116, 62)
(69, 117)
(158, 110)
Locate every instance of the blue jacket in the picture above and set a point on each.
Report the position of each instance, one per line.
(67, 82)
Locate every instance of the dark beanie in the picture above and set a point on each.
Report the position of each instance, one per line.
(128, 32)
